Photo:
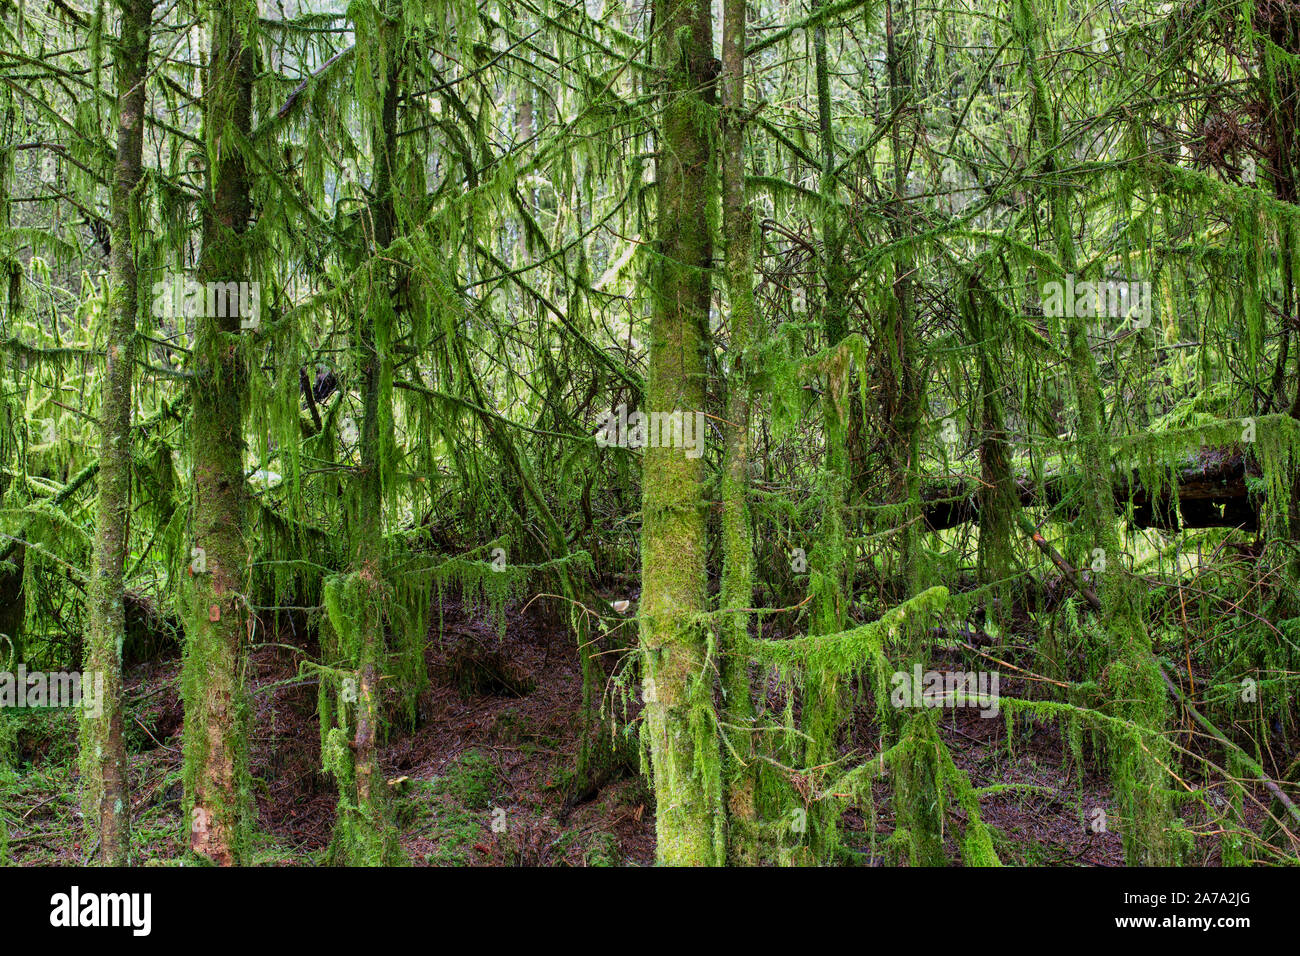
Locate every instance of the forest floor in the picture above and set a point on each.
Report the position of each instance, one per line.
(481, 743)
(484, 777)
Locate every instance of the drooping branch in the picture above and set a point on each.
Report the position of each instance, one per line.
(1093, 602)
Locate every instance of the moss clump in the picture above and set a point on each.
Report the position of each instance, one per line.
(510, 727)
(456, 830)
(428, 812)
(471, 781)
(452, 809)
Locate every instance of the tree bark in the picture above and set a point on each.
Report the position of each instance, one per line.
(737, 532)
(366, 836)
(678, 688)
(106, 797)
(216, 754)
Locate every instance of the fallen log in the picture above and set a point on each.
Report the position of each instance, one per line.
(1212, 493)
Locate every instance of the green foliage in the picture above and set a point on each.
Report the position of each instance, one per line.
(471, 780)
(452, 220)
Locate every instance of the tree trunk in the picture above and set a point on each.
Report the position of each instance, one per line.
(737, 532)
(904, 394)
(367, 835)
(998, 499)
(216, 746)
(1137, 764)
(106, 788)
(917, 786)
(678, 689)
(830, 562)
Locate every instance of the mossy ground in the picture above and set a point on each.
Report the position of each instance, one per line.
(469, 756)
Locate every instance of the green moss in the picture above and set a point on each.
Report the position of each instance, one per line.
(217, 783)
(819, 661)
(455, 828)
(471, 781)
(452, 809)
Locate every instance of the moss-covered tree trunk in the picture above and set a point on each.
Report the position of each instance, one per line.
(366, 833)
(998, 499)
(916, 780)
(678, 688)
(216, 748)
(106, 789)
(737, 532)
(829, 560)
(1278, 86)
(1134, 683)
(904, 392)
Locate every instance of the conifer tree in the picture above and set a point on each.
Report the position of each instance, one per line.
(105, 775)
(217, 797)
